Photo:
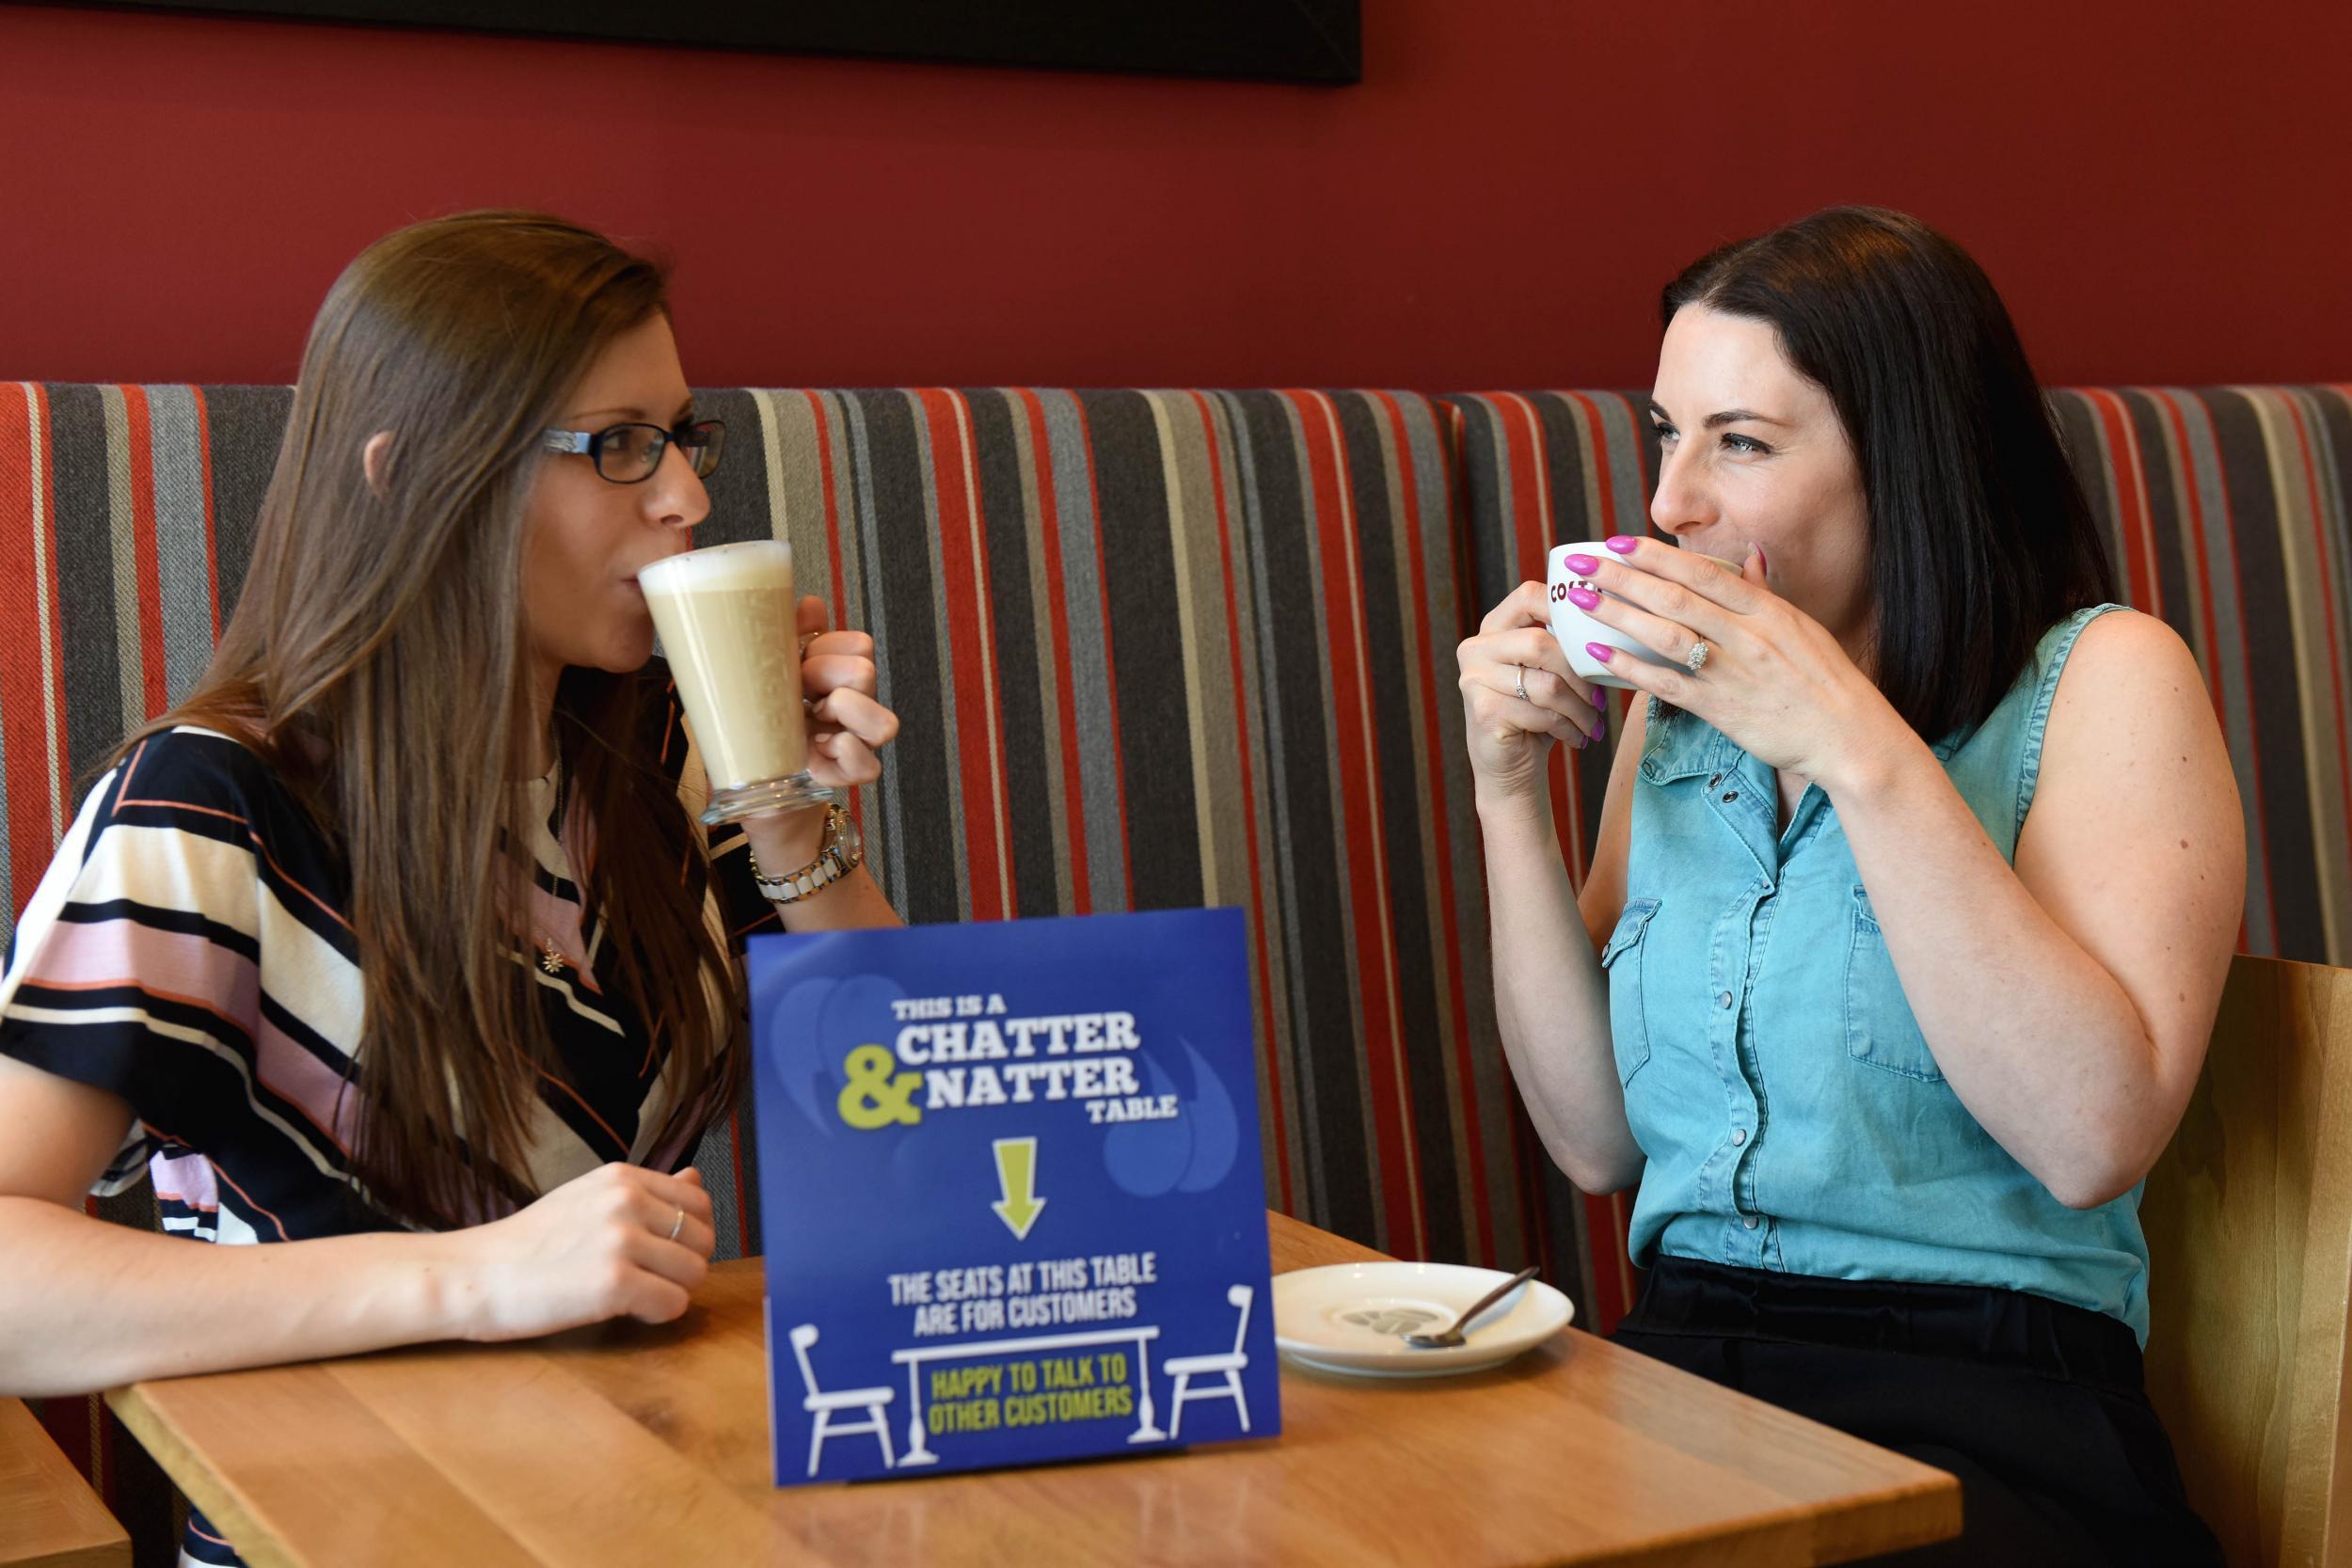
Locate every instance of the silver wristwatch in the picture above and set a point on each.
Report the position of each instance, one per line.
(841, 854)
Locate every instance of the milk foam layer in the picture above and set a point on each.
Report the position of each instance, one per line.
(728, 622)
(749, 563)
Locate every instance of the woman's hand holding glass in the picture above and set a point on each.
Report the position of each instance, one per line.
(1519, 695)
(1772, 679)
(847, 724)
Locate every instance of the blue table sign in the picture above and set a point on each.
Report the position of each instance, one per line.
(1010, 1193)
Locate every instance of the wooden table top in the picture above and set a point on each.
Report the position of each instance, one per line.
(632, 1445)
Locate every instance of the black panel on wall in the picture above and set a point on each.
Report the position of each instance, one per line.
(1294, 41)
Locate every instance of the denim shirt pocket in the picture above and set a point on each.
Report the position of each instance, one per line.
(1621, 962)
(1881, 1031)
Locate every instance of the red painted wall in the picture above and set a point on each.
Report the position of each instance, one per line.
(2162, 196)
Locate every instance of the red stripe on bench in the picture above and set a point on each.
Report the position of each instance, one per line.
(1110, 655)
(971, 639)
(1433, 741)
(2133, 525)
(1058, 612)
(831, 522)
(1605, 497)
(2194, 503)
(32, 681)
(1357, 767)
(212, 532)
(2316, 500)
(139, 438)
(1271, 1058)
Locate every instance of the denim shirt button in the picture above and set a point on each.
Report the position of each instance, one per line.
(1739, 1136)
(1722, 998)
(1750, 1222)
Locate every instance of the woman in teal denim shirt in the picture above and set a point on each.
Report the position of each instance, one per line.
(1916, 888)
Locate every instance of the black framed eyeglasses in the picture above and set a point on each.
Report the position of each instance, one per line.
(630, 453)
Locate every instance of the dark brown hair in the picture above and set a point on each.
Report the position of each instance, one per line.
(1980, 538)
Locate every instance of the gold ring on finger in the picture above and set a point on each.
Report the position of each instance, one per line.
(1696, 658)
(1522, 670)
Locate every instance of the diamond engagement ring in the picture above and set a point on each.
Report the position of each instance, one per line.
(1523, 682)
(1697, 659)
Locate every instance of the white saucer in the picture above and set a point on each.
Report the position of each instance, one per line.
(1353, 1318)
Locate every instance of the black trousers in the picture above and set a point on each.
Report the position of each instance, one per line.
(2037, 1408)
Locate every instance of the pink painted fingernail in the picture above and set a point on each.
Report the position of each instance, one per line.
(1600, 728)
(1624, 544)
(1760, 561)
(1600, 651)
(1584, 598)
(1583, 565)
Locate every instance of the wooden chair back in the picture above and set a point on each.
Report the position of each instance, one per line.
(2249, 1218)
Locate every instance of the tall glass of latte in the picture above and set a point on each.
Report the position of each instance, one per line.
(726, 619)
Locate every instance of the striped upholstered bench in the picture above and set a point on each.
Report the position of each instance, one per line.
(1150, 649)
(1166, 649)
(2226, 514)
(1156, 649)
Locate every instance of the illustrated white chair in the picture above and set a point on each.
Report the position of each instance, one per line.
(1184, 1369)
(824, 1407)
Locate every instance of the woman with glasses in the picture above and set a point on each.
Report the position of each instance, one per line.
(398, 939)
(1915, 887)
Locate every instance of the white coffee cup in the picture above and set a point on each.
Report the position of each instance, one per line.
(1575, 628)
(729, 628)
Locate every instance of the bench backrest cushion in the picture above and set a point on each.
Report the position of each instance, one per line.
(1156, 649)
(1151, 649)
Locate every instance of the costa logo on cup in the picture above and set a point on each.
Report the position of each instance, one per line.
(1578, 628)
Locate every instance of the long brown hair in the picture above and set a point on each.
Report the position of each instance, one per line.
(377, 661)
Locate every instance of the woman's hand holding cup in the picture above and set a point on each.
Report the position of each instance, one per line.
(847, 727)
(1519, 695)
(1710, 637)
(847, 723)
(1572, 594)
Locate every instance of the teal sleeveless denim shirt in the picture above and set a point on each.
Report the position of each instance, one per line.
(1792, 1115)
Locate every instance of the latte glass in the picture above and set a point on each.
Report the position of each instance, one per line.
(726, 616)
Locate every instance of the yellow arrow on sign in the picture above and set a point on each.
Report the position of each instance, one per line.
(1016, 1174)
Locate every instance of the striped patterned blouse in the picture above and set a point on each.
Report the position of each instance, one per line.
(188, 950)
